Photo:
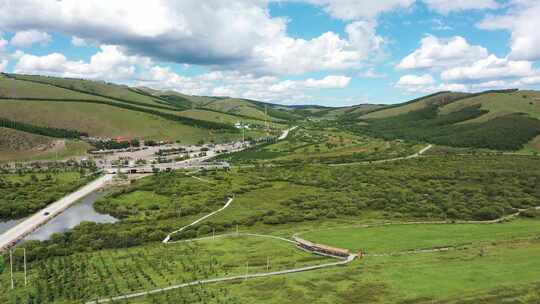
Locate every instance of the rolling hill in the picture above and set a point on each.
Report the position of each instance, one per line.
(18, 145)
(500, 120)
(40, 115)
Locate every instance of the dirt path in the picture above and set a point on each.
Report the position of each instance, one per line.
(415, 155)
(347, 260)
(286, 133)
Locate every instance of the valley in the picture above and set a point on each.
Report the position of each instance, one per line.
(434, 200)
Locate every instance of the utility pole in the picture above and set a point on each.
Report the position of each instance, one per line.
(25, 278)
(266, 118)
(267, 263)
(213, 233)
(11, 268)
(243, 133)
(236, 229)
(247, 270)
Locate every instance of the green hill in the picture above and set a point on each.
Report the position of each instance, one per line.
(96, 88)
(18, 145)
(436, 99)
(242, 108)
(45, 111)
(500, 120)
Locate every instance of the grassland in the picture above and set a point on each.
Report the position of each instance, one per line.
(108, 273)
(325, 145)
(96, 88)
(223, 117)
(400, 238)
(533, 146)
(497, 105)
(323, 201)
(415, 105)
(238, 106)
(21, 146)
(103, 120)
(11, 88)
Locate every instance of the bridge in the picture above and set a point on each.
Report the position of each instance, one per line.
(31, 224)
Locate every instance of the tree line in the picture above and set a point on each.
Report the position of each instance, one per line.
(45, 131)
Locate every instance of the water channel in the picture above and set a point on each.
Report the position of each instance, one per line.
(79, 212)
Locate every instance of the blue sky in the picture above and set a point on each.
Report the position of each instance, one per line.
(329, 52)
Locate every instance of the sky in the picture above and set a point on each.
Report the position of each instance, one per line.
(325, 52)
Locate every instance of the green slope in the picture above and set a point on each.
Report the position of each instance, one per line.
(96, 88)
(11, 88)
(68, 108)
(500, 120)
(498, 105)
(416, 104)
(101, 120)
(17, 146)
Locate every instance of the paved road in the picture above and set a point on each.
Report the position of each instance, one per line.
(286, 133)
(15, 234)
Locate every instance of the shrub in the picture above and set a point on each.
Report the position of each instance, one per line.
(487, 213)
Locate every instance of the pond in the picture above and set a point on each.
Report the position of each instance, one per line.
(82, 211)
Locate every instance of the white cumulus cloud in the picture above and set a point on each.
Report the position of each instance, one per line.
(30, 37)
(490, 68)
(236, 34)
(78, 42)
(440, 53)
(109, 63)
(522, 22)
(326, 52)
(360, 9)
(240, 85)
(3, 44)
(447, 6)
(3, 65)
(415, 80)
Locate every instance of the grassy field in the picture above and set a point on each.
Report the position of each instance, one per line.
(24, 89)
(398, 238)
(223, 117)
(325, 146)
(104, 120)
(21, 146)
(499, 105)
(237, 106)
(286, 199)
(533, 146)
(114, 272)
(413, 106)
(499, 273)
(93, 87)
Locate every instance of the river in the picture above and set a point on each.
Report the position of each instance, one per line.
(79, 212)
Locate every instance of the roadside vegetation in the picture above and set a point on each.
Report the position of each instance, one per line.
(286, 199)
(102, 274)
(316, 143)
(128, 256)
(24, 194)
